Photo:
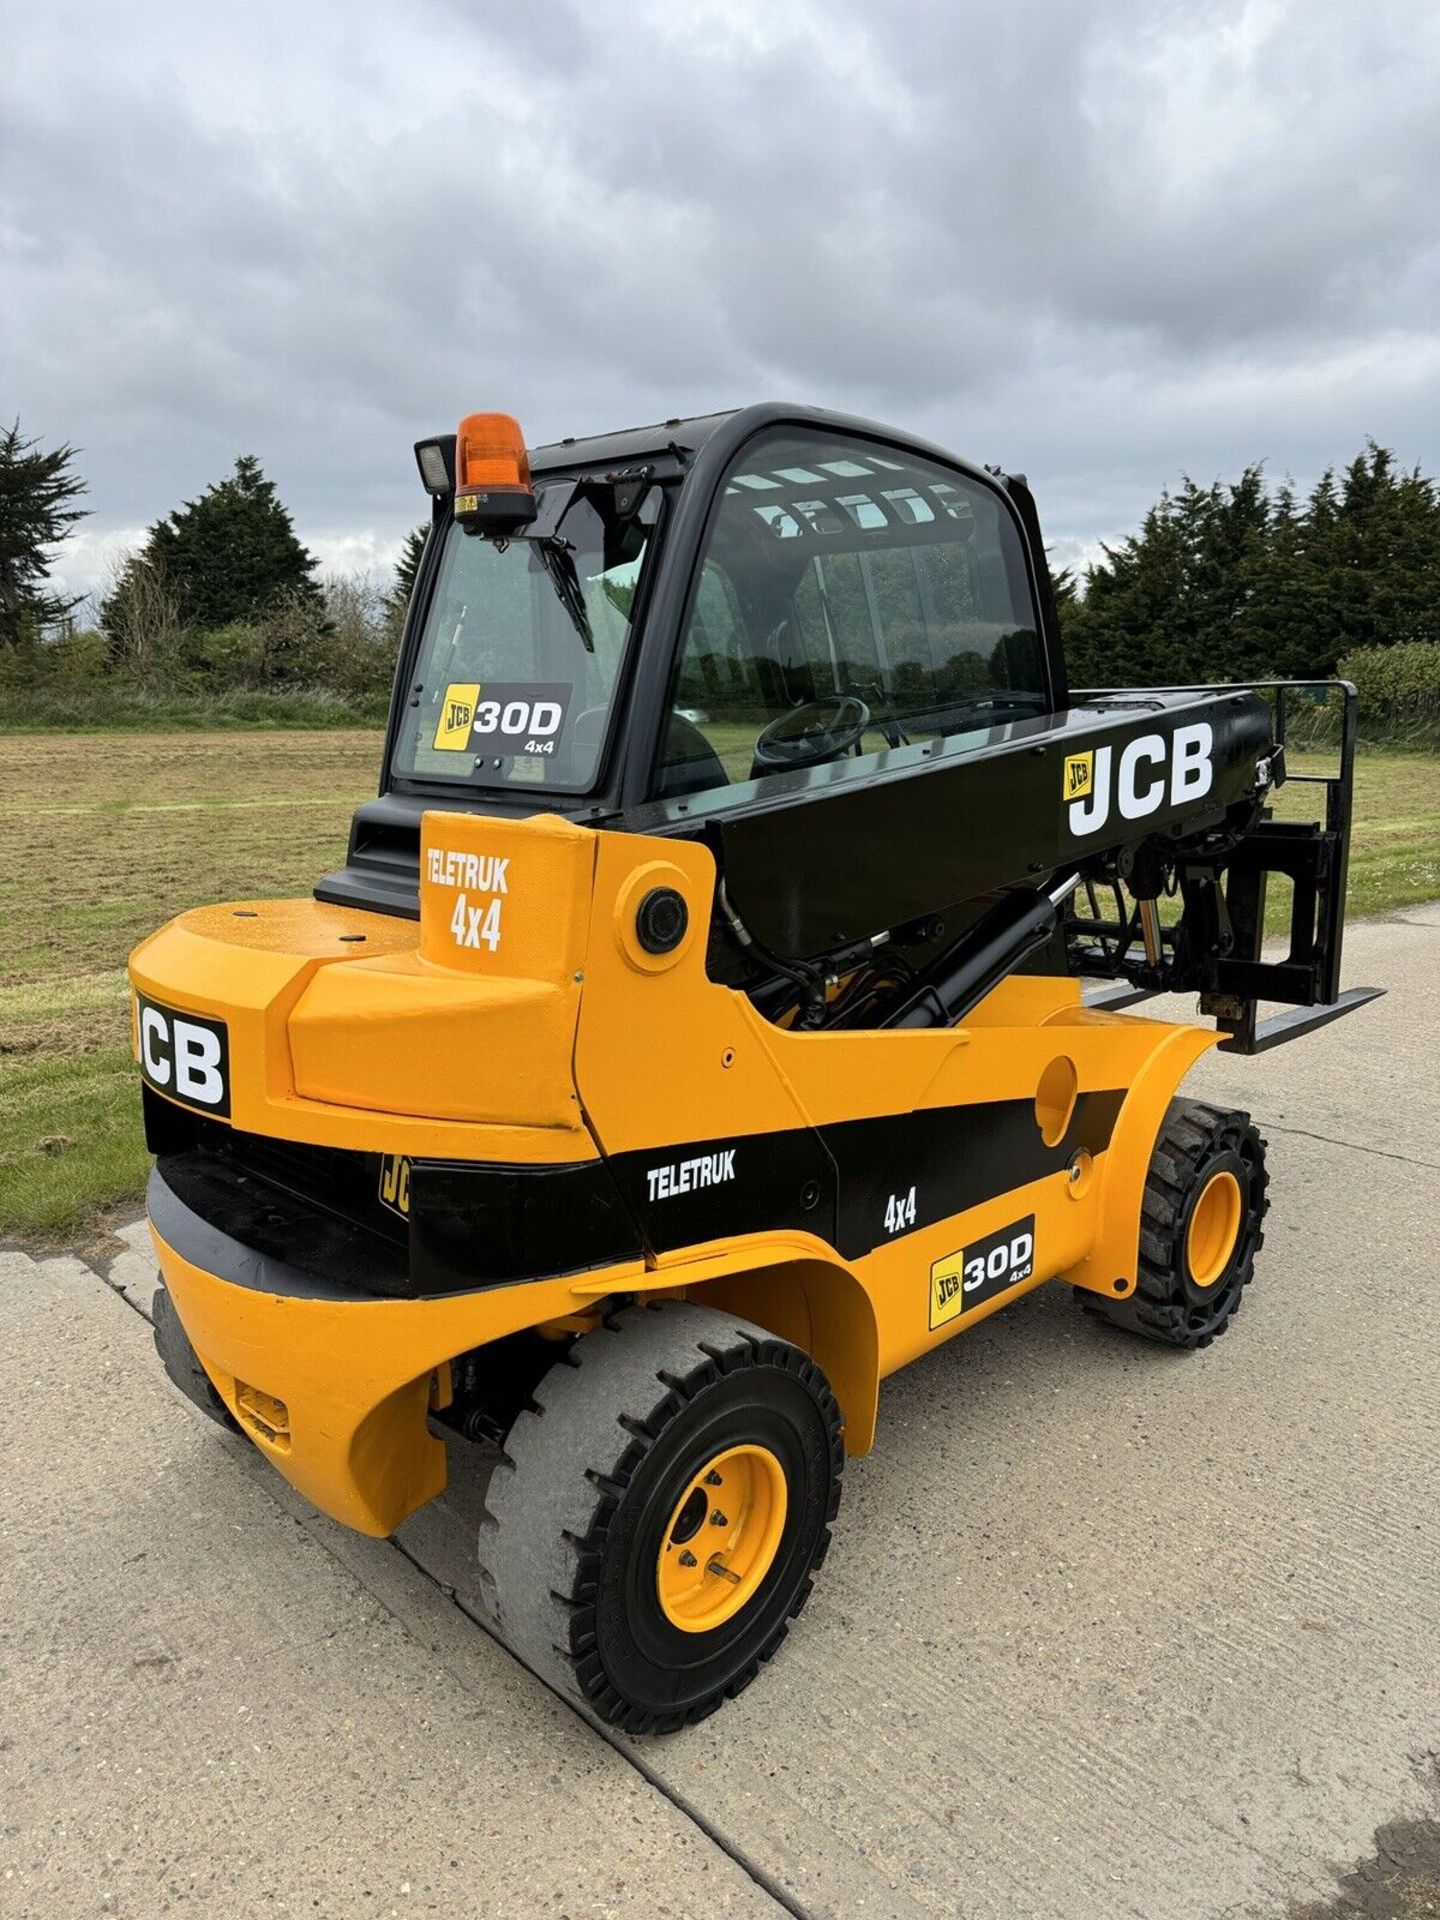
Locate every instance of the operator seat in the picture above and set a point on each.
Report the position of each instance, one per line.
(690, 764)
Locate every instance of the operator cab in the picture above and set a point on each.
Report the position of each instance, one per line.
(830, 652)
(684, 623)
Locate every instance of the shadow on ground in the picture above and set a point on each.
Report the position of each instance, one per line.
(1399, 1881)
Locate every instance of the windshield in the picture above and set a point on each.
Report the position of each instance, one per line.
(523, 641)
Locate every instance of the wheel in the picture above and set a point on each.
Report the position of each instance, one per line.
(182, 1363)
(1201, 1225)
(659, 1513)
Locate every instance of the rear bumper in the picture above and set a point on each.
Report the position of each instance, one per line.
(333, 1386)
(454, 1227)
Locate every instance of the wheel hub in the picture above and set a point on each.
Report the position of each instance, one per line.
(721, 1538)
(1214, 1228)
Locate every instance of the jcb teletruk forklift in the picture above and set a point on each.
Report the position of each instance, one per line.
(695, 1034)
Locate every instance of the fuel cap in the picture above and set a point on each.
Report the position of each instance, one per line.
(661, 920)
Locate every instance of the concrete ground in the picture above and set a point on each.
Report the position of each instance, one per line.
(1106, 1630)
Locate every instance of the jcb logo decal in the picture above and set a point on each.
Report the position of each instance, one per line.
(1079, 774)
(395, 1183)
(1151, 768)
(457, 716)
(184, 1056)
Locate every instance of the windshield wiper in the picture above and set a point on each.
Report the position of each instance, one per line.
(555, 556)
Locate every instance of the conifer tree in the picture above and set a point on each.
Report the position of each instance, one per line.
(406, 568)
(232, 554)
(37, 511)
(1244, 582)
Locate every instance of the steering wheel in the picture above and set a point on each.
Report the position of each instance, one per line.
(810, 734)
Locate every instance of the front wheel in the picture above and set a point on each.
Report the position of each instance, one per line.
(659, 1515)
(1201, 1226)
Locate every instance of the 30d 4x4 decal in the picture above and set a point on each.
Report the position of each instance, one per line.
(501, 717)
(978, 1272)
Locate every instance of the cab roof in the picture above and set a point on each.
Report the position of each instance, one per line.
(682, 439)
(629, 444)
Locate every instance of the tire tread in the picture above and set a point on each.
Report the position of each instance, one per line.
(596, 1417)
(1192, 1134)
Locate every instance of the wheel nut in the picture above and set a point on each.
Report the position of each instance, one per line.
(687, 1559)
(717, 1519)
(712, 1479)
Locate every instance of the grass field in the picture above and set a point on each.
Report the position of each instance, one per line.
(106, 835)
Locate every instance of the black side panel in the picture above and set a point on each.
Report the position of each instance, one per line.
(323, 1210)
(342, 1185)
(267, 1241)
(954, 1158)
(835, 1182)
(470, 1228)
(474, 1226)
(705, 1189)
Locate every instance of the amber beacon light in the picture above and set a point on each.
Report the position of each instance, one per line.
(492, 474)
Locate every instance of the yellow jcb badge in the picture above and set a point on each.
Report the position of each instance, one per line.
(395, 1183)
(1079, 774)
(947, 1290)
(457, 715)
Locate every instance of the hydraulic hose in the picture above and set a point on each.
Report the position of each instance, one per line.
(958, 978)
(812, 994)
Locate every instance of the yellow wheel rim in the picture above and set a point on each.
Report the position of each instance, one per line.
(721, 1538)
(1214, 1229)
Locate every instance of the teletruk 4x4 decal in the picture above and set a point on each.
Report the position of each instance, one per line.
(688, 1176)
(479, 923)
(978, 1272)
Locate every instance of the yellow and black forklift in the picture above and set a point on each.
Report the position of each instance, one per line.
(697, 1031)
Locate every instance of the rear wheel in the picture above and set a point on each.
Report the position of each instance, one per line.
(660, 1512)
(1201, 1224)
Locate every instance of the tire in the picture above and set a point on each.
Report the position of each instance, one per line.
(1201, 1226)
(172, 1343)
(586, 1553)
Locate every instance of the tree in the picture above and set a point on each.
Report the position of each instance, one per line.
(1241, 582)
(232, 555)
(406, 568)
(1121, 631)
(1063, 585)
(140, 621)
(1381, 560)
(36, 514)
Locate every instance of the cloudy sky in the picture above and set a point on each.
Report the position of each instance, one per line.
(1100, 243)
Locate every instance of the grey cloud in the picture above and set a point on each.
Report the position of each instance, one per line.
(1102, 242)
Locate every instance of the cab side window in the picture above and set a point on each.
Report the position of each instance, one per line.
(853, 601)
